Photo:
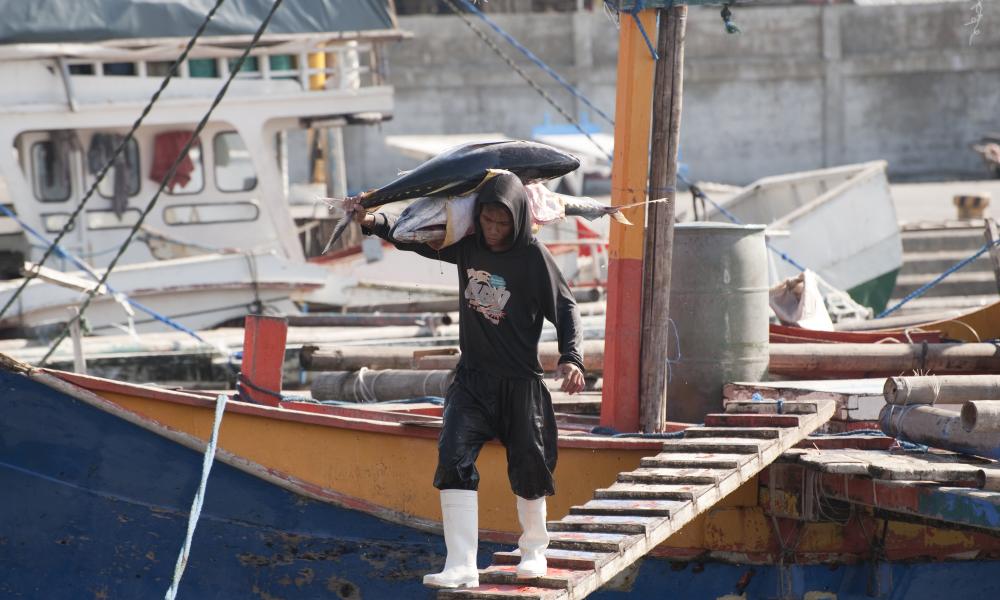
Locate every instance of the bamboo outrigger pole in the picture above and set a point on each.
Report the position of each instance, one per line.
(667, 95)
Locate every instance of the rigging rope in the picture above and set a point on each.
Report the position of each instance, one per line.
(111, 160)
(235, 69)
(454, 7)
(535, 59)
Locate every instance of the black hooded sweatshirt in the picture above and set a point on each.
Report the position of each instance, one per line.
(504, 296)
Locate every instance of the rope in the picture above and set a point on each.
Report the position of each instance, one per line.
(121, 147)
(361, 390)
(535, 59)
(119, 297)
(199, 498)
(169, 177)
(697, 191)
(922, 289)
(454, 7)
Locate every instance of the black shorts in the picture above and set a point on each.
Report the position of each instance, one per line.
(480, 407)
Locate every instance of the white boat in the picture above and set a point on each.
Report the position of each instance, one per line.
(839, 222)
(222, 238)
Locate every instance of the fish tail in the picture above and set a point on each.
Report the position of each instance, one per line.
(617, 215)
(337, 232)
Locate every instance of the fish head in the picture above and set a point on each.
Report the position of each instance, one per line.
(424, 220)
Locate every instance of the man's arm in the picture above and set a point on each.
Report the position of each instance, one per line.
(560, 308)
(380, 224)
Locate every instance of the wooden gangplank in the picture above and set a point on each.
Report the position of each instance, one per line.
(625, 521)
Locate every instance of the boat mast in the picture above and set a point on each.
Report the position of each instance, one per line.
(635, 341)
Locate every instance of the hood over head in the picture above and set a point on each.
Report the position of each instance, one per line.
(506, 189)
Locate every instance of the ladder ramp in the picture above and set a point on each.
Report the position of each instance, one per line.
(624, 521)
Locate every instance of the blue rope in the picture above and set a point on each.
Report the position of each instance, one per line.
(639, 6)
(922, 289)
(86, 268)
(697, 192)
(535, 59)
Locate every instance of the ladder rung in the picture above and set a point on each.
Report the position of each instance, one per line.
(682, 476)
(759, 433)
(702, 460)
(604, 524)
(719, 445)
(643, 491)
(563, 559)
(644, 508)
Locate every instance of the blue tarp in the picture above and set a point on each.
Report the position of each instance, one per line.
(49, 21)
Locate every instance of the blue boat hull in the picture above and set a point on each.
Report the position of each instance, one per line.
(95, 506)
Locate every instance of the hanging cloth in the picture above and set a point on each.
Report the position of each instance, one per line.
(167, 146)
(102, 148)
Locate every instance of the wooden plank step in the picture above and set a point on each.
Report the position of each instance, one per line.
(645, 508)
(751, 420)
(722, 445)
(589, 542)
(760, 433)
(682, 476)
(628, 519)
(771, 407)
(643, 491)
(695, 460)
(562, 579)
(629, 524)
(502, 591)
(560, 559)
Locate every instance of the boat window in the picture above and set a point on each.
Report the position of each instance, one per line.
(125, 69)
(234, 170)
(203, 214)
(284, 66)
(158, 68)
(251, 66)
(96, 219)
(98, 154)
(81, 69)
(203, 67)
(51, 173)
(189, 178)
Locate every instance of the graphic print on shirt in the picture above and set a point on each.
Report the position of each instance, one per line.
(487, 294)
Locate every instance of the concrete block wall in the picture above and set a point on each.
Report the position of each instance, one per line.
(803, 87)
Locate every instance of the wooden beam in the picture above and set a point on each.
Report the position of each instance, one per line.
(629, 174)
(667, 100)
(263, 359)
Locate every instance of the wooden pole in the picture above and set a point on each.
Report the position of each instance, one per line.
(380, 386)
(668, 90)
(949, 389)
(79, 361)
(981, 416)
(937, 428)
(814, 361)
(992, 234)
(263, 359)
(629, 175)
(352, 358)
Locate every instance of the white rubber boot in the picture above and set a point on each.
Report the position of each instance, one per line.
(534, 538)
(460, 512)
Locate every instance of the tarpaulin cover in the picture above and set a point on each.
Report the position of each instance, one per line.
(50, 21)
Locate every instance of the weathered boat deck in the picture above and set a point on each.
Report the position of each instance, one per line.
(625, 521)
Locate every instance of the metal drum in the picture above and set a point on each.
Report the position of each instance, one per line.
(719, 308)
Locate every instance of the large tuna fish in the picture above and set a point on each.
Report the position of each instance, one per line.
(462, 169)
(441, 222)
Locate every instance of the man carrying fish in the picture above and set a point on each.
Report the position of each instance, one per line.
(508, 283)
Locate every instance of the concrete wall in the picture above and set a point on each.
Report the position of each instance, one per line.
(803, 87)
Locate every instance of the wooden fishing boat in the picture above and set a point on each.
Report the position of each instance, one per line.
(812, 217)
(980, 325)
(313, 499)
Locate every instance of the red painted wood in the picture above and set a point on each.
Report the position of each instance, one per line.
(263, 357)
(623, 335)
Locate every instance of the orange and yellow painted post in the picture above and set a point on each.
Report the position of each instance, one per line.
(629, 177)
